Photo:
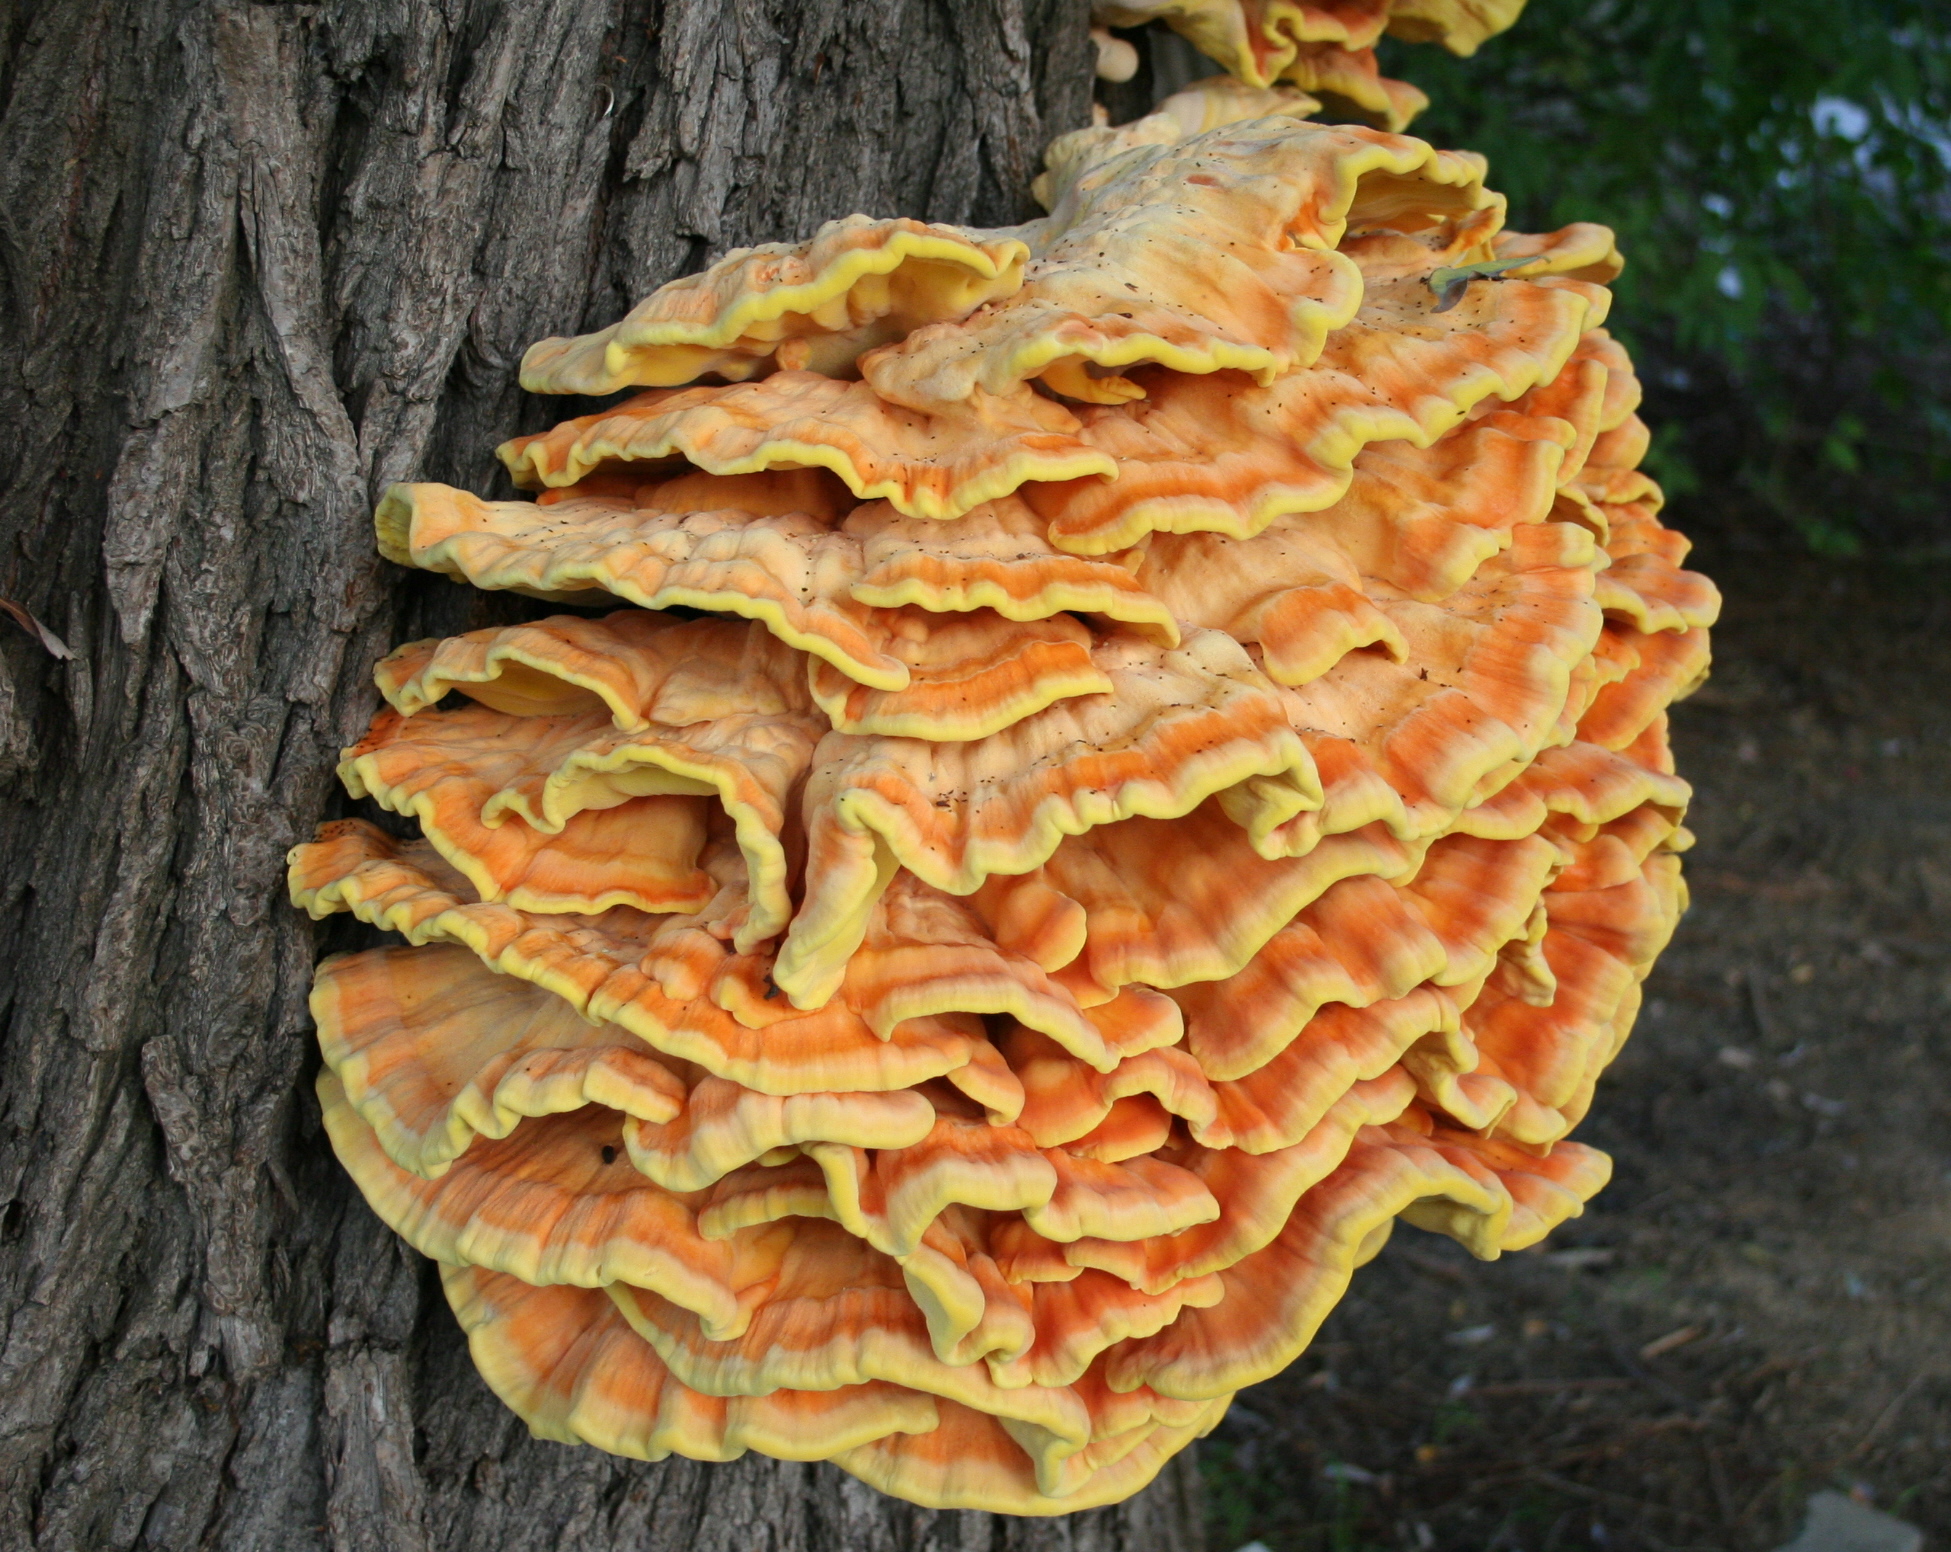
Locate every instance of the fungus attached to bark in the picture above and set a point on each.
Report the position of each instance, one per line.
(1124, 755)
(1322, 46)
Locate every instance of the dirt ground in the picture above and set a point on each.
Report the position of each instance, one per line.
(1760, 1304)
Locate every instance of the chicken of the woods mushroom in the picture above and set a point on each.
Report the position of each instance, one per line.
(1084, 772)
(1326, 47)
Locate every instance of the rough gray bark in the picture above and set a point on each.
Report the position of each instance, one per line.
(260, 260)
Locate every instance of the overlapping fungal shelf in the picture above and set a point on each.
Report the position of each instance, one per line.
(1094, 768)
(1324, 47)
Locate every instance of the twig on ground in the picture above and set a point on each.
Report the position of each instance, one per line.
(1550, 1387)
(1768, 1489)
(1670, 1341)
(1717, 1481)
(1602, 1495)
(1651, 1381)
(1885, 1418)
(1758, 1007)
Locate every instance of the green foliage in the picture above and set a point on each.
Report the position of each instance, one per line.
(1779, 173)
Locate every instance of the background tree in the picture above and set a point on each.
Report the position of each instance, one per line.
(259, 261)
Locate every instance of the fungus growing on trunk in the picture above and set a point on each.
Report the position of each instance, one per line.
(1326, 47)
(1122, 757)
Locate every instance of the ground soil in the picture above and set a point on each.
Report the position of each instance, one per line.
(1760, 1304)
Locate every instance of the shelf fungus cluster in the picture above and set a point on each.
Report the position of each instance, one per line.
(1082, 773)
(1322, 47)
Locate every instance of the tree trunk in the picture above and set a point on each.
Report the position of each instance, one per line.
(260, 260)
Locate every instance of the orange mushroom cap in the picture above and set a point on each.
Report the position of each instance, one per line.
(817, 304)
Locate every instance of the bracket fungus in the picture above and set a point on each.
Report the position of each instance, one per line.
(1096, 767)
(1326, 47)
